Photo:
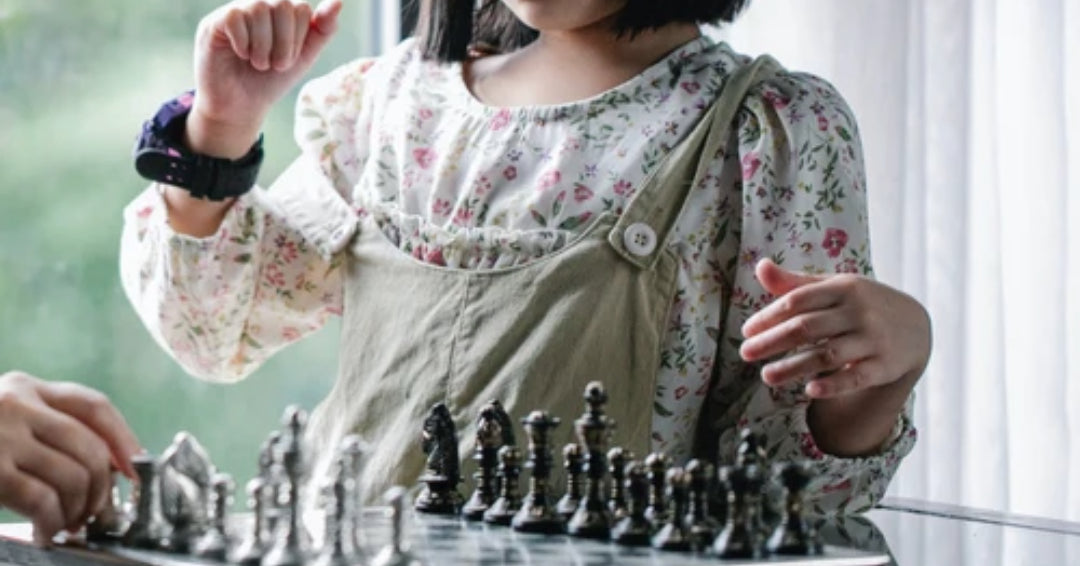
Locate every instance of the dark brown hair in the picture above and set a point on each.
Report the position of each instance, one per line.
(448, 29)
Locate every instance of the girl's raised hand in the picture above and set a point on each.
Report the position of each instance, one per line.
(843, 333)
(248, 54)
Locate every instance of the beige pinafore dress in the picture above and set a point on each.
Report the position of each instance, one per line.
(531, 336)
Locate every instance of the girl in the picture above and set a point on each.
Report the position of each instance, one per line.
(530, 195)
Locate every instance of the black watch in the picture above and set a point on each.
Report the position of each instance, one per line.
(160, 156)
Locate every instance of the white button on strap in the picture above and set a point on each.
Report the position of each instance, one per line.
(640, 239)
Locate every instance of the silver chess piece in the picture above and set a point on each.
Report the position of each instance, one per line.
(351, 456)
(251, 550)
(290, 544)
(272, 486)
(148, 529)
(395, 554)
(337, 548)
(214, 543)
(185, 473)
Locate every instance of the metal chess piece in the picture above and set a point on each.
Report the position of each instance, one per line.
(489, 438)
(617, 458)
(593, 519)
(351, 456)
(148, 529)
(716, 496)
(442, 474)
(337, 549)
(185, 474)
(656, 467)
(702, 527)
(251, 550)
(272, 487)
(504, 508)
(396, 554)
(214, 543)
(290, 544)
(750, 450)
(108, 524)
(536, 514)
(740, 537)
(574, 464)
(674, 535)
(634, 529)
(794, 536)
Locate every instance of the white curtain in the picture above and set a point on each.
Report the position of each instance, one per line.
(970, 116)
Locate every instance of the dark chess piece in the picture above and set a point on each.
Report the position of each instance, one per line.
(395, 554)
(634, 529)
(674, 536)
(536, 514)
(716, 496)
(252, 548)
(574, 464)
(794, 536)
(593, 519)
(108, 524)
(214, 543)
(290, 542)
(702, 527)
(148, 529)
(504, 508)
(442, 474)
(617, 458)
(489, 439)
(351, 455)
(656, 465)
(740, 537)
(750, 450)
(337, 546)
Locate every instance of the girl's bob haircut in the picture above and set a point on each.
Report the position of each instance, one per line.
(449, 29)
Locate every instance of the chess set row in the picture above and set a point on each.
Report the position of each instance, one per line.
(179, 504)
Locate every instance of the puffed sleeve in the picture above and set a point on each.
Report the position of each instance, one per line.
(805, 206)
(222, 305)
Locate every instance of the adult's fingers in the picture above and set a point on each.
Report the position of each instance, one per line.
(93, 409)
(33, 499)
(798, 331)
(831, 355)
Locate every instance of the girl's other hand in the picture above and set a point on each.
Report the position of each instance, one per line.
(248, 54)
(58, 445)
(844, 333)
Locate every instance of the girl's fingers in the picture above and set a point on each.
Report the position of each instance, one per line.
(323, 25)
(93, 409)
(69, 479)
(854, 377)
(81, 448)
(283, 36)
(35, 500)
(812, 297)
(831, 355)
(261, 31)
(798, 331)
(236, 30)
(302, 22)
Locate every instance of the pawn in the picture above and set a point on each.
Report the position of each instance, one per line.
(214, 543)
(750, 450)
(290, 547)
(740, 538)
(573, 463)
(351, 455)
(794, 536)
(703, 528)
(593, 519)
(251, 550)
(395, 554)
(656, 465)
(536, 514)
(504, 508)
(634, 529)
(489, 438)
(617, 459)
(674, 535)
(337, 548)
(148, 529)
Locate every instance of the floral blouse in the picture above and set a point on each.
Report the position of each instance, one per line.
(454, 182)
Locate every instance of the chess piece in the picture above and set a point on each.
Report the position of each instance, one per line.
(351, 456)
(185, 475)
(700, 524)
(108, 524)
(442, 474)
(593, 519)
(536, 514)
(395, 554)
(617, 458)
(740, 538)
(674, 536)
(273, 483)
(716, 497)
(337, 548)
(656, 467)
(794, 536)
(489, 438)
(504, 508)
(750, 450)
(634, 529)
(251, 550)
(214, 543)
(290, 543)
(574, 464)
(148, 529)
